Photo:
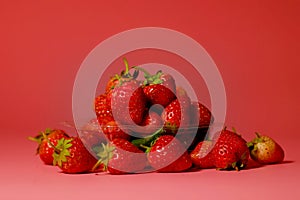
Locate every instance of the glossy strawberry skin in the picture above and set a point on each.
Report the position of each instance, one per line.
(166, 155)
(128, 97)
(45, 149)
(202, 156)
(177, 113)
(126, 158)
(159, 94)
(230, 150)
(79, 159)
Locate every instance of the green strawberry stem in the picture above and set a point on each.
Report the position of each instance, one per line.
(147, 140)
(98, 163)
(125, 75)
(151, 79)
(104, 155)
(126, 66)
(257, 134)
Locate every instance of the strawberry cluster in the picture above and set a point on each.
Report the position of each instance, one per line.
(147, 125)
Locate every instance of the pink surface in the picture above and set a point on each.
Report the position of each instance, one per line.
(255, 46)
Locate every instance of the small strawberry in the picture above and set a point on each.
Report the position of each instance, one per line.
(72, 157)
(111, 130)
(202, 156)
(176, 114)
(159, 88)
(203, 115)
(230, 150)
(265, 150)
(167, 154)
(47, 140)
(128, 100)
(121, 157)
(103, 109)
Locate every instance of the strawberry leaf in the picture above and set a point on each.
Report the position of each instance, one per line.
(61, 151)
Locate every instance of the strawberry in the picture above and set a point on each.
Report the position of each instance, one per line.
(159, 88)
(103, 109)
(71, 156)
(202, 113)
(176, 114)
(202, 156)
(111, 130)
(230, 150)
(265, 150)
(128, 100)
(47, 140)
(167, 154)
(121, 157)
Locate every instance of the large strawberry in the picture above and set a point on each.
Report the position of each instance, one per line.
(128, 100)
(121, 157)
(46, 141)
(202, 156)
(168, 155)
(230, 150)
(71, 156)
(177, 113)
(265, 150)
(159, 88)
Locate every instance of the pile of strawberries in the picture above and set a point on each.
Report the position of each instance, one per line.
(150, 125)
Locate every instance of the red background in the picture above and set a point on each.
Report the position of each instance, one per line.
(254, 44)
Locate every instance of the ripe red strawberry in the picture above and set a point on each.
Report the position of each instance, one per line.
(71, 156)
(177, 113)
(111, 130)
(159, 88)
(202, 113)
(265, 150)
(202, 156)
(47, 140)
(103, 109)
(168, 155)
(230, 150)
(121, 157)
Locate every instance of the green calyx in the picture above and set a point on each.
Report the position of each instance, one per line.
(125, 74)
(151, 79)
(61, 151)
(105, 154)
(252, 144)
(148, 141)
(40, 137)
